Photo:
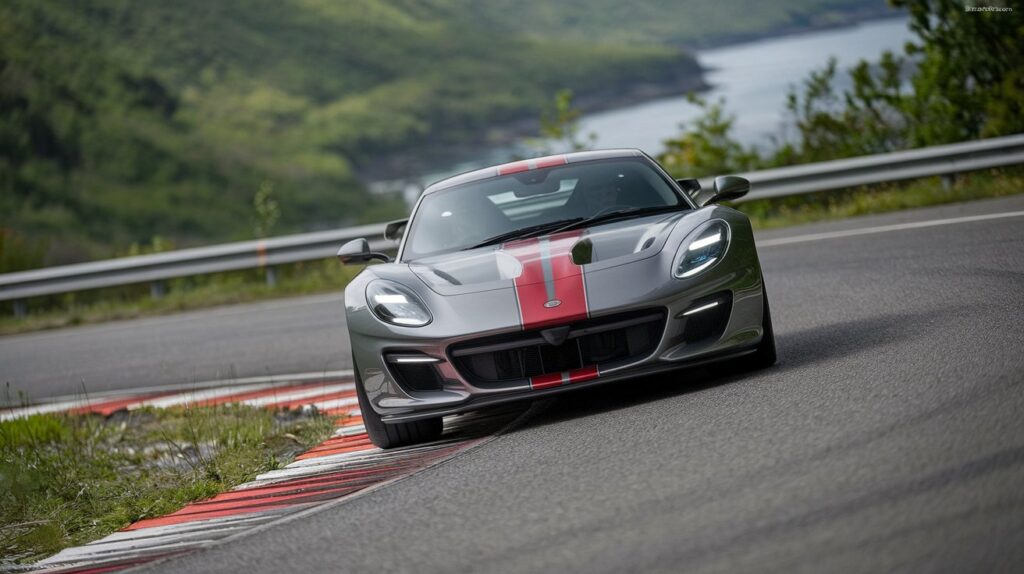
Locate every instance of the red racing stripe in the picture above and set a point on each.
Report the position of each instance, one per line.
(550, 289)
(564, 378)
(549, 161)
(528, 164)
(514, 167)
(545, 381)
(583, 374)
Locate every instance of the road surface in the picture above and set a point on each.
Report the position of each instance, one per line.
(890, 436)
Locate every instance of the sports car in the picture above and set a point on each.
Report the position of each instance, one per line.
(541, 276)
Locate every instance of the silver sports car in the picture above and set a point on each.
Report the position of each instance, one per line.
(540, 276)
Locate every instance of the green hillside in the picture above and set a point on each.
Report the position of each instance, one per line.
(123, 120)
(682, 22)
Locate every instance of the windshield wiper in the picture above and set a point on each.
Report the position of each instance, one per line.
(617, 214)
(525, 232)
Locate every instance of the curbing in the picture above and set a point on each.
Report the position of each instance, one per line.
(342, 467)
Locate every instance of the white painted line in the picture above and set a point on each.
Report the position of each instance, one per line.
(371, 453)
(183, 528)
(195, 397)
(70, 556)
(41, 409)
(350, 430)
(336, 403)
(288, 396)
(884, 229)
(106, 546)
(200, 385)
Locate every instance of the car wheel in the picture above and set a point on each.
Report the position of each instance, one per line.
(391, 435)
(764, 356)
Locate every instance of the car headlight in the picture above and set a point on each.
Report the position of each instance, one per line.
(396, 305)
(701, 249)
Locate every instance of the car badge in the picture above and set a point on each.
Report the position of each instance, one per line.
(552, 304)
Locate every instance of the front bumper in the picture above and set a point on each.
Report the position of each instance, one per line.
(474, 403)
(738, 277)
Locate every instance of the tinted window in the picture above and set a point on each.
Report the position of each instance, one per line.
(463, 216)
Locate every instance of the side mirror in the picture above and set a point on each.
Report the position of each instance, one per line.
(394, 230)
(358, 251)
(728, 188)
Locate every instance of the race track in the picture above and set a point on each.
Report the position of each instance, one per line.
(890, 436)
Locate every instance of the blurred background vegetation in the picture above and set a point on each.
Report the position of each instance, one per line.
(122, 120)
(135, 127)
(961, 78)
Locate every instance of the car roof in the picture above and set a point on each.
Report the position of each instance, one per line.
(533, 163)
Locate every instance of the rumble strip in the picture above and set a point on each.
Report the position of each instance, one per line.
(343, 466)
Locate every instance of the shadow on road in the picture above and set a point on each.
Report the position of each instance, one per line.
(797, 350)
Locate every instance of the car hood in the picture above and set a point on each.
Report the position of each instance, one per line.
(562, 255)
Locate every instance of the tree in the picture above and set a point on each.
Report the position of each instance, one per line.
(559, 123)
(967, 82)
(970, 79)
(707, 147)
(267, 209)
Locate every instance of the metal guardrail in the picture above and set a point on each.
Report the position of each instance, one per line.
(808, 178)
(263, 253)
(894, 166)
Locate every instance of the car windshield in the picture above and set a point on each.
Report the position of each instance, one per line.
(530, 201)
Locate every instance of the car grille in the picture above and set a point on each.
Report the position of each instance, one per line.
(604, 342)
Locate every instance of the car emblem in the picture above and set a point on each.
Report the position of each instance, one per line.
(552, 304)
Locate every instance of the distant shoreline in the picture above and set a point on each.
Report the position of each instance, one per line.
(412, 163)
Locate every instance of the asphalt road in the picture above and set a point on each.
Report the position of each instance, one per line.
(890, 436)
(299, 335)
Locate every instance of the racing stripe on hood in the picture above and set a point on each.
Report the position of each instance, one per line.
(551, 289)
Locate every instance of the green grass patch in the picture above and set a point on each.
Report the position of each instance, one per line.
(69, 479)
(328, 276)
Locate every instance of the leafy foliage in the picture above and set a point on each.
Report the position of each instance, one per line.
(707, 147)
(267, 209)
(559, 127)
(121, 120)
(962, 78)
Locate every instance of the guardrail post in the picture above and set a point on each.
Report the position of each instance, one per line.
(271, 274)
(20, 310)
(157, 289)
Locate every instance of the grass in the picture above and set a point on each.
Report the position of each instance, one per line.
(327, 276)
(69, 479)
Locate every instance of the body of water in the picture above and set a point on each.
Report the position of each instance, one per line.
(753, 77)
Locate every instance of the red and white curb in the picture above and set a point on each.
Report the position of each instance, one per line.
(331, 392)
(343, 466)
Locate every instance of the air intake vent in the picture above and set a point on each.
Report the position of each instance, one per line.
(602, 342)
(707, 318)
(415, 376)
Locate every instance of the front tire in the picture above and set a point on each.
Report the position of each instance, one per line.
(392, 435)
